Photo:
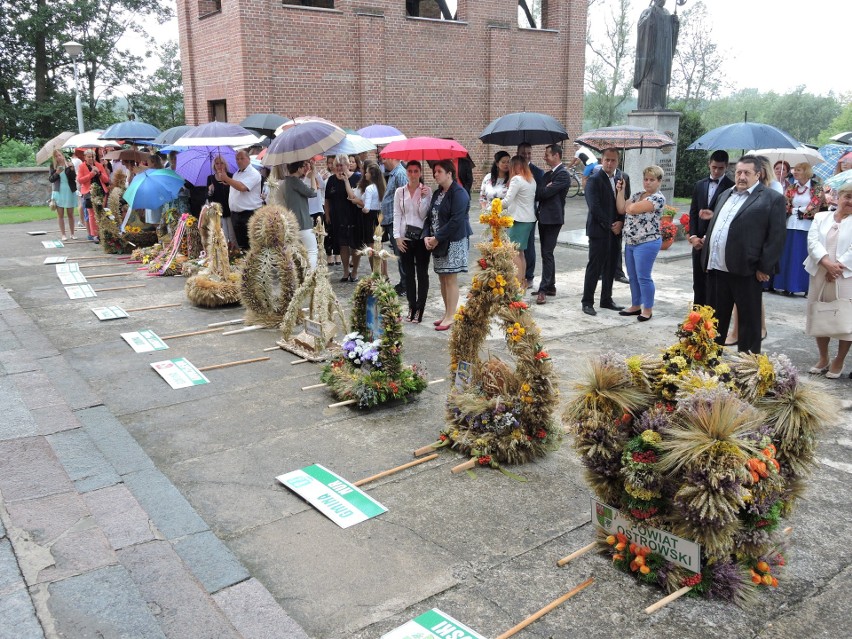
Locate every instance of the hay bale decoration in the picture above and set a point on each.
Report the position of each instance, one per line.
(369, 370)
(215, 284)
(324, 311)
(495, 414)
(711, 447)
(269, 276)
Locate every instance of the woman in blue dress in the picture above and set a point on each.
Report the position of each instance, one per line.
(63, 178)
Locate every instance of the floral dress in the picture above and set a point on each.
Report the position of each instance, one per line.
(644, 227)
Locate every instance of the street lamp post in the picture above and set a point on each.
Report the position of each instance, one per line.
(74, 50)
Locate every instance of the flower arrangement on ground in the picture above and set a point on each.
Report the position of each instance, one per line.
(369, 368)
(113, 240)
(216, 283)
(668, 230)
(710, 447)
(499, 415)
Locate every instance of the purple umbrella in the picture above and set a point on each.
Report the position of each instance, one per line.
(196, 163)
(381, 134)
(217, 134)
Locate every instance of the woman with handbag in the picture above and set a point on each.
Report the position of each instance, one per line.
(829, 264)
(63, 177)
(449, 230)
(410, 208)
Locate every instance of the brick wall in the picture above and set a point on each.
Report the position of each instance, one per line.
(362, 63)
(24, 187)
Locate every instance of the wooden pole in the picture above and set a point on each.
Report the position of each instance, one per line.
(272, 348)
(437, 381)
(426, 449)
(227, 323)
(237, 363)
(300, 361)
(547, 608)
(244, 330)
(94, 277)
(470, 463)
(150, 308)
(96, 265)
(89, 257)
(202, 332)
(577, 553)
(667, 600)
(313, 386)
(122, 257)
(118, 288)
(343, 403)
(385, 473)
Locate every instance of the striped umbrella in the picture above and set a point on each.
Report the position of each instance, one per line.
(380, 134)
(302, 141)
(625, 137)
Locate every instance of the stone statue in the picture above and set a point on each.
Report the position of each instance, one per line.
(656, 39)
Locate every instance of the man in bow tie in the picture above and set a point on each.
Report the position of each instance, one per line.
(704, 196)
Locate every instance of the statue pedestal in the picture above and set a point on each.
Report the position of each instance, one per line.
(635, 161)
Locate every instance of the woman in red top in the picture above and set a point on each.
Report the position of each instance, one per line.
(91, 170)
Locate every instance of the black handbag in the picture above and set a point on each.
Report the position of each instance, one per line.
(413, 232)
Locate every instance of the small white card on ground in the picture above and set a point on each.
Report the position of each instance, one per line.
(59, 259)
(79, 291)
(337, 499)
(433, 625)
(144, 341)
(67, 268)
(72, 277)
(110, 312)
(179, 373)
(52, 244)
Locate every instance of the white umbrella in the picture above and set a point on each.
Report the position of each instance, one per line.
(88, 140)
(217, 134)
(45, 152)
(791, 156)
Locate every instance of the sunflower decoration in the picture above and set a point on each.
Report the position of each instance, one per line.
(496, 414)
(709, 446)
(369, 368)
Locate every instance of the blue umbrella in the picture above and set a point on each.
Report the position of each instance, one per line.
(831, 153)
(153, 188)
(170, 135)
(131, 130)
(744, 135)
(196, 163)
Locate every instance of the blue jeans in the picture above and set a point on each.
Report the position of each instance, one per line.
(640, 262)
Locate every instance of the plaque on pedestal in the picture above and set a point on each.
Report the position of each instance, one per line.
(635, 160)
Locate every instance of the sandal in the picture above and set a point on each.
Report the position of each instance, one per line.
(345, 278)
(418, 316)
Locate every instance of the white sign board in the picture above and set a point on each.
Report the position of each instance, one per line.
(144, 341)
(67, 268)
(109, 312)
(312, 328)
(52, 244)
(72, 277)
(337, 499)
(79, 291)
(433, 625)
(55, 260)
(179, 373)
(675, 549)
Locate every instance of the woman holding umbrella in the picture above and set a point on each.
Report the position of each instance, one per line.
(64, 181)
(449, 230)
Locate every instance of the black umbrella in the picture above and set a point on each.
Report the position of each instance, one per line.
(169, 136)
(744, 135)
(131, 130)
(264, 123)
(524, 127)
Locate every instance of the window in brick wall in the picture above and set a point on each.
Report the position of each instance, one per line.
(209, 7)
(531, 14)
(217, 110)
(319, 4)
(436, 9)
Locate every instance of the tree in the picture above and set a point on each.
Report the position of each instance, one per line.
(803, 115)
(840, 124)
(609, 77)
(696, 76)
(691, 165)
(159, 97)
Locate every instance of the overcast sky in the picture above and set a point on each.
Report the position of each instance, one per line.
(768, 45)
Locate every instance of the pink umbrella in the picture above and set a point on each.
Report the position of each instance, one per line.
(424, 148)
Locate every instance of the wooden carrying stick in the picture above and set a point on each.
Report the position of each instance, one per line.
(547, 608)
(470, 463)
(227, 323)
(94, 277)
(202, 332)
(237, 363)
(667, 600)
(577, 553)
(89, 257)
(300, 361)
(345, 402)
(150, 308)
(437, 381)
(118, 288)
(313, 386)
(385, 473)
(97, 265)
(271, 348)
(426, 449)
(245, 329)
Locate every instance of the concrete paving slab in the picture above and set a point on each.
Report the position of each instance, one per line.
(54, 419)
(30, 470)
(103, 603)
(168, 509)
(210, 561)
(35, 389)
(120, 516)
(178, 601)
(17, 617)
(84, 463)
(17, 360)
(255, 614)
(73, 388)
(17, 421)
(119, 448)
(10, 576)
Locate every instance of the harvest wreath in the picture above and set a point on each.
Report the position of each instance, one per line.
(711, 448)
(216, 283)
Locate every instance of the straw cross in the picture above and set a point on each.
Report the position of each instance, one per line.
(376, 253)
(496, 220)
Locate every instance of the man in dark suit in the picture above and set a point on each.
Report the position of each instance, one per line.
(742, 247)
(704, 196)
(550, 194)
(603, 227)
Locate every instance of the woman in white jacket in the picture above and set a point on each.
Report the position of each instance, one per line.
(519, 203)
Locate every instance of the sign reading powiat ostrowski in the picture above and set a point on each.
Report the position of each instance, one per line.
(433, 624)
(675, 549)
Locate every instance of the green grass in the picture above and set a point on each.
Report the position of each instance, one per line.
(18, 214)
(683, 200)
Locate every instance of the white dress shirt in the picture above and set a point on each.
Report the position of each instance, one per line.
(246, 200)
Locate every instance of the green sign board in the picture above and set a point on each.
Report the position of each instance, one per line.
(433, 625)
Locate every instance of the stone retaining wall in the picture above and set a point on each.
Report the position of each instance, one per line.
(24, 186)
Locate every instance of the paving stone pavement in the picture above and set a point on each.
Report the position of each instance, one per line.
(131, 510)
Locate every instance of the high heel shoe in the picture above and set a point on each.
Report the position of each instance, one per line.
(418, 315)
(411, 312)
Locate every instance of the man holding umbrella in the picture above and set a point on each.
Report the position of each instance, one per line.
(244, 198)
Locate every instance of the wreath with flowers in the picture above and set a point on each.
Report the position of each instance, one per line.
(714, 448)
(369, 368)
(499, 415)
(112, 239)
